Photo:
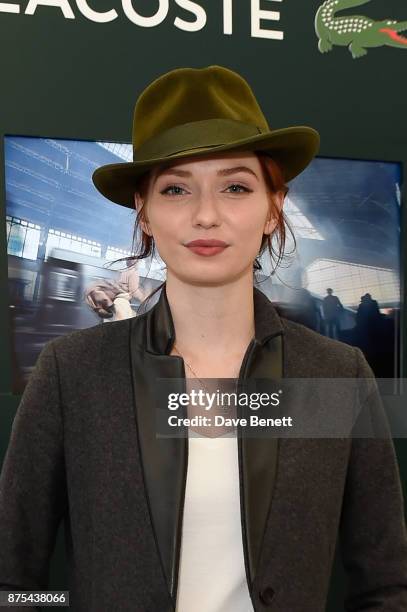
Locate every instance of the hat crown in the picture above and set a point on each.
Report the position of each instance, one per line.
(190, 112)
(187, 95)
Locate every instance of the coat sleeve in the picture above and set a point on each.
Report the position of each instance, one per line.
(32, 482)
(372, 533)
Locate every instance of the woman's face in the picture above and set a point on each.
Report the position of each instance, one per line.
(222, 197)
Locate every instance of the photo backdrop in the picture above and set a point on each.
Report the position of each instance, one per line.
(63, 238)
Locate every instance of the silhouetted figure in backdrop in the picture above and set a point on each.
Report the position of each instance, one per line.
(368, 313)
(371, 333)
(332, 307)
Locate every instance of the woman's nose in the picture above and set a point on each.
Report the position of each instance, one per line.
(206, 209)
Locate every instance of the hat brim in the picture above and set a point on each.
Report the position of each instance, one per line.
(293, 148)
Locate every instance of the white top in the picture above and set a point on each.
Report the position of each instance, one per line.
(212, 575)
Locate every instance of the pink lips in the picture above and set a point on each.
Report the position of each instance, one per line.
(207, 247)
(207, 243)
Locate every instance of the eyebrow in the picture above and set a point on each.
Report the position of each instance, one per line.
(222, 172)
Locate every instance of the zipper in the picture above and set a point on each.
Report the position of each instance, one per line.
(242, 374)
(181, 516)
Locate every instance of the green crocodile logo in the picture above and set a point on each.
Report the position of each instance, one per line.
(355, 31)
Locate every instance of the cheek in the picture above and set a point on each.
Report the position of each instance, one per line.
(165, 229)
(160, 220)
(252, 222)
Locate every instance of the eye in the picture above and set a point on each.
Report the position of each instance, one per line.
(241, 187)
(165, 191)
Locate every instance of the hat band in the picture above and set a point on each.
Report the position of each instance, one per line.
(194, 135)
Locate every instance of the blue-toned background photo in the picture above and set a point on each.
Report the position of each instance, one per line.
(342, 279)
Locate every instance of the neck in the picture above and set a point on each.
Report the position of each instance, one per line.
(211, 320)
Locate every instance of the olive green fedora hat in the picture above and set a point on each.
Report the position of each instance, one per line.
(192, 112)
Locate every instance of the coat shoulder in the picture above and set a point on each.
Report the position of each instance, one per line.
(309, 353)
(92, 338)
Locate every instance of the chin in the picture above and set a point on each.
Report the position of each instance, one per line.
(212, 278)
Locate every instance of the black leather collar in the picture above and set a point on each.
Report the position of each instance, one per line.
(160, 332)
(165, 460)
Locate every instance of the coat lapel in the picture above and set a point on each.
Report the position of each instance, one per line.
(165, 460)
(258, 458)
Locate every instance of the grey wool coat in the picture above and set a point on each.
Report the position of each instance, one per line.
(83, 450)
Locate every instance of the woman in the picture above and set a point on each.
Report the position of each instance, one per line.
(205, 521)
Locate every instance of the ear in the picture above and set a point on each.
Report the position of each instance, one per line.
(278, 201)
(138, 204)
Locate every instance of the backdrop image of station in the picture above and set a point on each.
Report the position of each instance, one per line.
(62, 236)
